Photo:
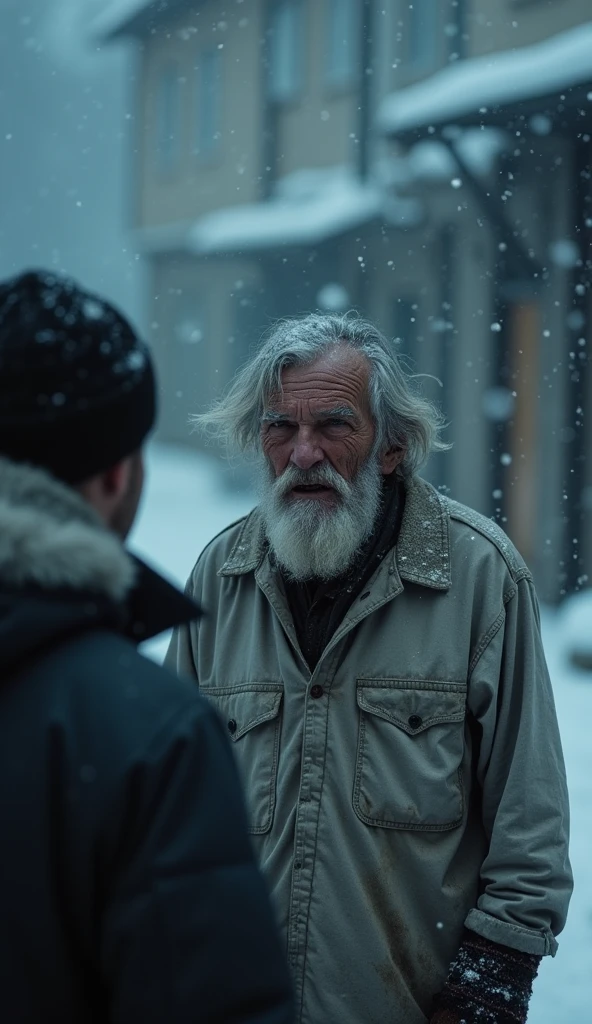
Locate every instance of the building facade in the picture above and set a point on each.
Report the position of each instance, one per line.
(427, 164)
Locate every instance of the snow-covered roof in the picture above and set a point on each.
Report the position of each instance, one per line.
(309, 207)
(495, 80)
(123, 16)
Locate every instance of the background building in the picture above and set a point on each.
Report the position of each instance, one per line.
(427, 164)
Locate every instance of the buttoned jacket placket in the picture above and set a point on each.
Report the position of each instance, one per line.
(429, 566)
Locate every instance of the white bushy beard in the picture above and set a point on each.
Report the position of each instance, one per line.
(310, 538)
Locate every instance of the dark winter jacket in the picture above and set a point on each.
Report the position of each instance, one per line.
(128, 891)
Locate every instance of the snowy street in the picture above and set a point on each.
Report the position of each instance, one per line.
(187, 502)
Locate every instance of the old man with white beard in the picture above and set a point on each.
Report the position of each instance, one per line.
(374, 650)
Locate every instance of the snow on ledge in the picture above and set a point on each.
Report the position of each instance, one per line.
(563, 61)
(309, 206)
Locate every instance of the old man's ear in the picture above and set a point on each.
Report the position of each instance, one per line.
(390, 459)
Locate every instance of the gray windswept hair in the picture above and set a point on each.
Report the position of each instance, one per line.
(403, 417)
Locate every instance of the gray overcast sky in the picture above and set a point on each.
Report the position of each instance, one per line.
(64, 141)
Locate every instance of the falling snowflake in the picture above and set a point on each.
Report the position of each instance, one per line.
(136, 360)
(93, 309)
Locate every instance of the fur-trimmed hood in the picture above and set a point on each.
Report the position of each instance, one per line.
(51, 538)
(63, 571)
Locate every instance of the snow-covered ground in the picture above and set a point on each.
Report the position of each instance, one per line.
(188, 500)
(563, 992)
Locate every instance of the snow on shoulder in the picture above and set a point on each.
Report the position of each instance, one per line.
(492, 532)
(561, 62)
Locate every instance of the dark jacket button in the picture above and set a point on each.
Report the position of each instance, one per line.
(232, 727)
(316, 691)
(415, 721)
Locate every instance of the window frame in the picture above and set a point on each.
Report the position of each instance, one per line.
(207, 147)
(168, 119)
(345, 77)
(283, 92)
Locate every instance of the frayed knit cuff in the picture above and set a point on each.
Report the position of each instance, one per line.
(487, 984)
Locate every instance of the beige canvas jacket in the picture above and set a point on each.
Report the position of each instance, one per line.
(414, 783)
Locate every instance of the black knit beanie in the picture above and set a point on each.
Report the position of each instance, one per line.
(77, 390)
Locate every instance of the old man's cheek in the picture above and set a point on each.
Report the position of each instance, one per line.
(268, 444)
(355, 448)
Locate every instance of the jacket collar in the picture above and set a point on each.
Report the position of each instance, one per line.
(52, 542)
(155, 605)
(422, 554)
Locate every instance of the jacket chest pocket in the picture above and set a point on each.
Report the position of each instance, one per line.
(409, 757)
(251, 714)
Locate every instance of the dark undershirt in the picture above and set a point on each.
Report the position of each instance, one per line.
(318, 607)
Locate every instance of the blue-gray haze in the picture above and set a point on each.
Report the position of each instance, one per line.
(64, 140)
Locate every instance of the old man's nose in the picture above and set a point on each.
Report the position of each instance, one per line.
(306, 452)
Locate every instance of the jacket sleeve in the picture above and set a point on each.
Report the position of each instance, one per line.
(526, 880)
(188, 933)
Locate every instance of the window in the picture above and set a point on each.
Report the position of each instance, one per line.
(286, 50)
(423, 33)
(168, 118)
(209, 102)
(343, 36)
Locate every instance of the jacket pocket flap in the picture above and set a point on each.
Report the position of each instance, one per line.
(413, 708)
(245, 707)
